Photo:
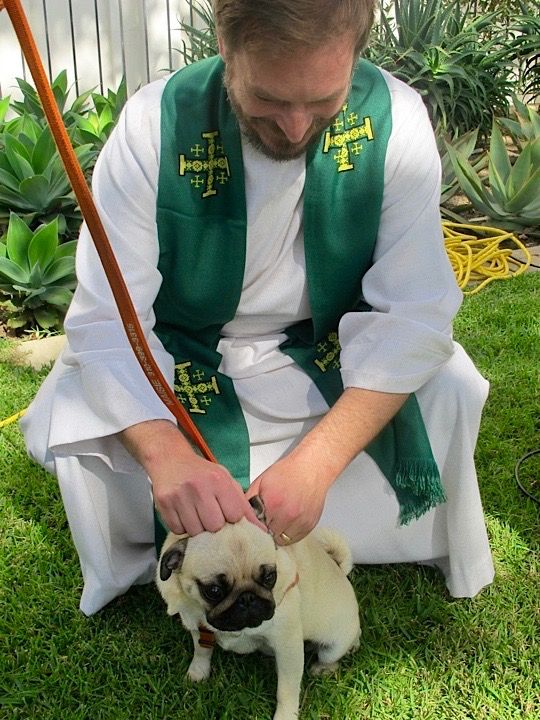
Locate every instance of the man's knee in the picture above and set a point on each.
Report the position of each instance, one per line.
(36, 436)
(457, 386)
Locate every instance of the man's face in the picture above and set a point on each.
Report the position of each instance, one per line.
(283, 103)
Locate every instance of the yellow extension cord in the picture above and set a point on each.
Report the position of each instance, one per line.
(476, 256)
(12, 419)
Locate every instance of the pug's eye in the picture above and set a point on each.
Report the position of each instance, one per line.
(213, 593)
(268, 579)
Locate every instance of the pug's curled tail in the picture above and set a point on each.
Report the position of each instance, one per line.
(336, 546)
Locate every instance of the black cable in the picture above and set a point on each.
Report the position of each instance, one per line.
(516, 474)
(523, 262)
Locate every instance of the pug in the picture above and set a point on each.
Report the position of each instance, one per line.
(239, 589)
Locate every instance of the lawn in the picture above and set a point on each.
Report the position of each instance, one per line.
(423, 655)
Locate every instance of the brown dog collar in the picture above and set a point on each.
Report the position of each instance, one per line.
(207, 639)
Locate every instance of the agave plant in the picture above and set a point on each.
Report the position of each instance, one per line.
(31, 104)
(37, 275)
(113, 100)
(33, 181)
(97, 125)
(511, 195)
(4, 107)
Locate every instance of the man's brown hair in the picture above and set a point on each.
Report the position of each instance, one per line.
(288, 25)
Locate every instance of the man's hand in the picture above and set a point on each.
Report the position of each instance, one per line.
(294, 489)
(293, 494)
(191, 493)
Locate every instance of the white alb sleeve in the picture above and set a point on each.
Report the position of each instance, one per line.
(102, 388)
(404, 340)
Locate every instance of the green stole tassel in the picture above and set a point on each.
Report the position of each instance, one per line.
(201, 221)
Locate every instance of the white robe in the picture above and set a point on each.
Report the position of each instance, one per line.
(96, 388)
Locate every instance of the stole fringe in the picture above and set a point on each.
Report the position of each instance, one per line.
(418, 487)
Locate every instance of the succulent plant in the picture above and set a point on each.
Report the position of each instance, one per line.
(510, 194)
(37, 274)
(33, 181)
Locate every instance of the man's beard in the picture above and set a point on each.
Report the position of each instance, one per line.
(282, 148)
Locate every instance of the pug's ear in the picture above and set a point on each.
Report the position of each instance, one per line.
(172, 559)
(258, 507)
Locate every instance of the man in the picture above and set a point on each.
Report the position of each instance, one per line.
(275, 213)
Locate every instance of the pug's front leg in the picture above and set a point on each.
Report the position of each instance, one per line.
(199, 668)
(290, 668)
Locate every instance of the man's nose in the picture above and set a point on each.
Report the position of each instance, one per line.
(295, 123)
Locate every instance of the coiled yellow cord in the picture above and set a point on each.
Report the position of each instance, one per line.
(477, 257)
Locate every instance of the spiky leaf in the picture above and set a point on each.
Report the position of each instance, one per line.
(59, 296)
(19, 236)
(64, 267)
(44, 150)
(11, 272)
(66, 249)
(47, 317)
(43, 245)
(498, 155)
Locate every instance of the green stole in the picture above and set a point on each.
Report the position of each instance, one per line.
(201, 222)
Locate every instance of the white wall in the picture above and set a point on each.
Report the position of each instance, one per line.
(134, 37)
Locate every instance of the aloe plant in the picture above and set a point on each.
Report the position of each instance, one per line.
(525, 125)
(37, 274)
(33, 181)
(465, 145)
(457, 60)
(510, 194)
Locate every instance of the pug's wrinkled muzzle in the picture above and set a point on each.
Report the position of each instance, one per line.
(248, 611)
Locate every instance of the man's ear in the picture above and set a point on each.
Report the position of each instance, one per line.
(172, 559)
(222, 48)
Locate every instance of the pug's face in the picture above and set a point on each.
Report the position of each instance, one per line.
(232, 574)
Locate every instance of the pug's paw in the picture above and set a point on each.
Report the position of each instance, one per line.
(320, 668)
(285, 715)
(199, 670)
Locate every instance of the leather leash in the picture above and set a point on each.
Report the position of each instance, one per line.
(75, 174)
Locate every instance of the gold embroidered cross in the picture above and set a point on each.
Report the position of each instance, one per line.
(196, 394)
(344, 131)
(330, 358)
(205, 169)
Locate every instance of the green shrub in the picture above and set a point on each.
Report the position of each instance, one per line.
(37, 275)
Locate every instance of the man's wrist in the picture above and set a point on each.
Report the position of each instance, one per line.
(153, 442)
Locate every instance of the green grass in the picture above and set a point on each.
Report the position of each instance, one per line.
(423, 655)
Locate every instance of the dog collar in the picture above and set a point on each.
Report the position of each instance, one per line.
(207, 638)
(290, 587)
